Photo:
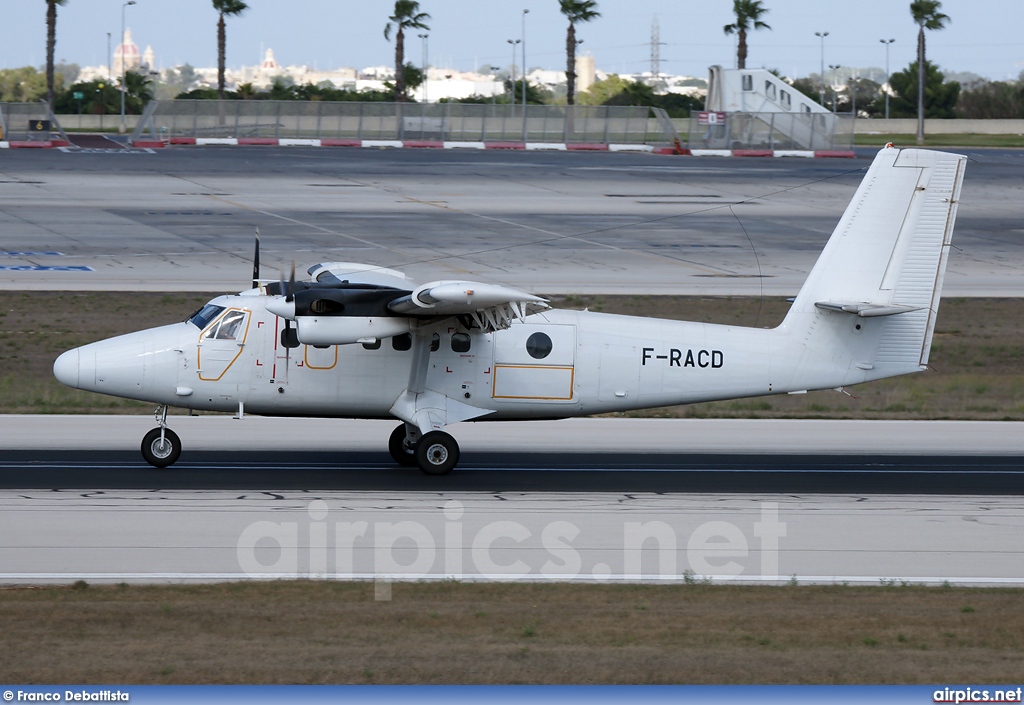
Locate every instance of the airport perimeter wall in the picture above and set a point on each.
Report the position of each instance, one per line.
(908, 126)
(893, 126)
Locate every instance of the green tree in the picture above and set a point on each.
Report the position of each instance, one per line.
(51, 44)
(138, 92)
(808, 86)
(406, 15)
(24, 85)
(575, 11)
(940, 97)
(927, 16)
(229, 8)
(246, 91)
(993, 100)
(748, 17)
(535, 95)
(99, 97)
(600, 91)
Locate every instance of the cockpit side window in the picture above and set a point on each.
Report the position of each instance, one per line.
(203, 316)
(228, 328)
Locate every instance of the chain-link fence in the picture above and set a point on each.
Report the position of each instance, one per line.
(29, 122)
(775, 131)
(456, 122)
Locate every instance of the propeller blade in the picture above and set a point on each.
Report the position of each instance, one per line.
(290, 296)
(256, 261)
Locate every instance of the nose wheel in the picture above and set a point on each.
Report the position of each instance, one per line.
(161, 446)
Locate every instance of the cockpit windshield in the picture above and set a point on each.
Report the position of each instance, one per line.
(228, 328)
(203, 316)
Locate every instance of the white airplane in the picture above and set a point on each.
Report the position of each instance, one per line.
(359, 341)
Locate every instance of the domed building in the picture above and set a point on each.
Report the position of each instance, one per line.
(126, 55)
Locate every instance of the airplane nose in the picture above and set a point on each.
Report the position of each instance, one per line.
(66, 368)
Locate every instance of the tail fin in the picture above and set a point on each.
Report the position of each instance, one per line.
(883, 267)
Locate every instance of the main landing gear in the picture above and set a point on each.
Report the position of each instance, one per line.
(161, 446)
(436, 453)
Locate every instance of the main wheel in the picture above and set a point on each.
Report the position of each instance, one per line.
(402, 453)
(437, 453)
(159, 453)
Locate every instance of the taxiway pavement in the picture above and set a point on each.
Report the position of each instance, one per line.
(182, 219)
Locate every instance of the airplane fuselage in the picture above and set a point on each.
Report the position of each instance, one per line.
(554, 364)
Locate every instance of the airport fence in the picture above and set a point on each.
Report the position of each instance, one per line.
(454, 122)
(775, 131)
(29, 122)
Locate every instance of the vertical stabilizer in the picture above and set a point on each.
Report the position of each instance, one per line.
(883, 267)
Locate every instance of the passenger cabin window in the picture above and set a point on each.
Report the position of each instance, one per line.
(460, 342)
(785, 99)
(748, 82)
(805, 108)
(769, 90)
(375, 345)
(401, 342)
(538, 346)
(435, 343)
(203, 316)
(228, 328)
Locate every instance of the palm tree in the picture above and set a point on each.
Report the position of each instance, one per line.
(748, 16)
(407, 16)
(575, 11)
(51, 43)
(231, 8)
(926, 14)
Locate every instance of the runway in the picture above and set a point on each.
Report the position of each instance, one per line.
(571, 455)
(183, 219)
(580, 500)
(521, 472)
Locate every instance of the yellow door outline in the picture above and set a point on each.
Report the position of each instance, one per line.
(240, 343)
(305, 358)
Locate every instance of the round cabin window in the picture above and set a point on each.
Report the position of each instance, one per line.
(538, 345)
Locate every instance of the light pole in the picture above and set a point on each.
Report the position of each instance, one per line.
(425, 56)
(130, 2)
(525, 13)
(513, 42)
(835, 68)
(494, 98)
(822, 35)
(887, 42)
(110, 73)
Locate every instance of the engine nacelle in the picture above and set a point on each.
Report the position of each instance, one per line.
(344, 330)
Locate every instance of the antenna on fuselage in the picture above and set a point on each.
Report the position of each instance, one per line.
(256, 261)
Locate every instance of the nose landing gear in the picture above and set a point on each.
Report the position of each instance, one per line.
(161, 446)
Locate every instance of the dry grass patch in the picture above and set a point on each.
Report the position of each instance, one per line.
(333, 632)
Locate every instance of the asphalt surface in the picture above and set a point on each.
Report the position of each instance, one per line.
(522, 472)
(183, 218)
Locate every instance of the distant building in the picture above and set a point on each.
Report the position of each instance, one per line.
(586, 72)
(126, 55)
(148, 59)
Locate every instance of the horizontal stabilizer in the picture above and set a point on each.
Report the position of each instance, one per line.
(866, 310)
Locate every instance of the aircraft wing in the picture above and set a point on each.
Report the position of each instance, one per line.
(492, 306)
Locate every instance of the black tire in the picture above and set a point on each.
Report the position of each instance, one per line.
(400, 452)
(437, 453)
(161, 457)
